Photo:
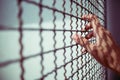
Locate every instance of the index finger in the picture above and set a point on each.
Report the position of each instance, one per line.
(93, 20)
(88, 17)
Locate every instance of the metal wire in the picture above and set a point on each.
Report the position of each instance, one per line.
(74, 65)
(20, 39)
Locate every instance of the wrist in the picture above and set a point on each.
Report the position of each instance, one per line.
(117, 61)
(117, 68)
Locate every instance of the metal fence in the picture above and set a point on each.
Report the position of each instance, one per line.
(57, 56)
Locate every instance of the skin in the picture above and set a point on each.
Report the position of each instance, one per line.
(105, 50)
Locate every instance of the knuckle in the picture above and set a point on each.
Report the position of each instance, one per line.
(108, 32)
(94, 16)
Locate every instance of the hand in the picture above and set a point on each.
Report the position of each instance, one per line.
(105, 50)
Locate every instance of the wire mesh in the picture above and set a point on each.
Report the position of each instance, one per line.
(55, 56)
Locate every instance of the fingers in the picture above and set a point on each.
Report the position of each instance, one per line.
(75, 38)
(89, 35)
(78, 39)
(88, 17)
(92, 18)
(84, 51)
(94, 22)
(87, 27)
(83, 42)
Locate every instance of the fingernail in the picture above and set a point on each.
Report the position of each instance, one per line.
(82, 29)
(84, 51)
(73, 36)
(82, 17)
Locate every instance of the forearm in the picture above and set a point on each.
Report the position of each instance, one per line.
(105, 50)
(116, 60)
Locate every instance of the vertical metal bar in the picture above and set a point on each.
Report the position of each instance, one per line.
(41, 40)
(89, 56)
(85, 56)
(54, 38)
(20, 11)
(81, 1)
(71, 9)
(77, 54)
(54, 45)
(64, 24)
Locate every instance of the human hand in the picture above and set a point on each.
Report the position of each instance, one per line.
(105, 50)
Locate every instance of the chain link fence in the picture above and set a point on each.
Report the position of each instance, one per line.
(41, 45)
